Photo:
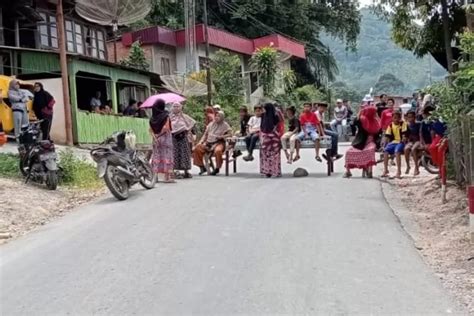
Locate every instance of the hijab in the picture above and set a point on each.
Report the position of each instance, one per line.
(12, 85)
(270, 118)
(41, 100)
(369, 120)
(180, 122)
(217, 128)
(159, 116)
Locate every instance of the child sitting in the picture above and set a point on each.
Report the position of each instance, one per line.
(395, 138)
(412, 147)
(253, 132)
(310, 127)
(291, 136)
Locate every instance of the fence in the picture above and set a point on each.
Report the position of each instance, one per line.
(461, 149)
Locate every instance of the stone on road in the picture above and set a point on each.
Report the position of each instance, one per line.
(237, 245)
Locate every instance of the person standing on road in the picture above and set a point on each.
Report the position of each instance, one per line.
(43, 103)
(160, 129)
(181, 127)
(18, 101)
(270, 159)
(362, 153)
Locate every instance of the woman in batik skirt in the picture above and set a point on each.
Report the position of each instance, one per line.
(270, 161)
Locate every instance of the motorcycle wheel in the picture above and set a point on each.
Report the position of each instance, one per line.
(429, 165)
(119, 189)
(52, 180)
(147, 181)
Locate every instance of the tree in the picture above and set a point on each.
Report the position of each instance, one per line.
(264, 62)
(389, 84)
(342, 91)
(136, 58)
(427, 27)
(227, 80)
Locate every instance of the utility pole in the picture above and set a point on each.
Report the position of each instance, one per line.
(208, 61)
(64, 71)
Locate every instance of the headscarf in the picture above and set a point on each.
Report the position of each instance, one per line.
(270, 118)
(209, 115)
(12, 85)
(369, 120)
(217, 128)
(41, 101)
(159, 116)
(180, 122)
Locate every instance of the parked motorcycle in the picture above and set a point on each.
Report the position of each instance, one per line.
(121, 165)
(428, 163)
(38, 157)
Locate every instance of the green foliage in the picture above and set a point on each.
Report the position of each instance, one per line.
(464, 77)
(265, 62)
(136, 58)
(227, 80)
(9, 165)
(418, 26)
(389, 84)
(77, 172)
(289, 80)
(376, 55)
(307, 93)
(194, 107)
(341, 91)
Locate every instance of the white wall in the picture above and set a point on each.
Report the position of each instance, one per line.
(58, 130)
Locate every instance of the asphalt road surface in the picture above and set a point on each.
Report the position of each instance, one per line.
(220, 246)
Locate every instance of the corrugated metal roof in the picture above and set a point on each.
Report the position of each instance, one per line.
(217, 38)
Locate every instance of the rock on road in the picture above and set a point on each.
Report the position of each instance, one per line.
(220, 246)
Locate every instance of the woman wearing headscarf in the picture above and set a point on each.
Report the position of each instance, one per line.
(160, 129)
(362, 153)
(181, 127)
(43, 103)
(213, 140)
(270, 161)
(18, 101)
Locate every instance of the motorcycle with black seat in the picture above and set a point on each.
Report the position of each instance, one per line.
(38, 157)
(121, 165)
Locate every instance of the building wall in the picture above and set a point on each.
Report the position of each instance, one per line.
(160, 51)
(123, 51)
(58, 129)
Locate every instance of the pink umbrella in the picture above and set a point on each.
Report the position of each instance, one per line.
(167, 97)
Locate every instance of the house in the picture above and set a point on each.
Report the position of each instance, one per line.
(166, 49)
(29, 51)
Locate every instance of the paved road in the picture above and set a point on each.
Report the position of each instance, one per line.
(239, 245)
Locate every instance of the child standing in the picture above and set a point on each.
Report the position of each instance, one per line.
(292, 135)
(412, 147)
(395, 138)
(310, 127)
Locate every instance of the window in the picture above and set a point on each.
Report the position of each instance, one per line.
(48, 32)
(165, 66)
(74, 39)
(96, 43)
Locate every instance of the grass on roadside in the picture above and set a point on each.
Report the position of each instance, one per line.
(9, 164)
(77, 172)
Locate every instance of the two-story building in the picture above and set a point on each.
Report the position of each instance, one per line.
(29, 51)
(166, 50)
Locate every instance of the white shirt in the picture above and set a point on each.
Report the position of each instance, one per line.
(254, 124)
(405, 107)
(95, 102)
(320, 116)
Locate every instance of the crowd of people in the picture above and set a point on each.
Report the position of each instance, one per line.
(394, 130)
(43, 105)
(133, 108)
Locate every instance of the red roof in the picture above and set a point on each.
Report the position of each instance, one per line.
(217, 38)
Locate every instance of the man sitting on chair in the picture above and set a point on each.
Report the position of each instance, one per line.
(213, 141)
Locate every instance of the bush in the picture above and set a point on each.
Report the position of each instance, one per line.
(77, 172)
(9, 165)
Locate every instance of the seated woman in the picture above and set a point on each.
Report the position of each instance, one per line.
(362, 153)
(213, 140)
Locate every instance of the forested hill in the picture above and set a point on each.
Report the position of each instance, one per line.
(377, 55)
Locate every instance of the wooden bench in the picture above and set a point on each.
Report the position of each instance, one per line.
(238, 143)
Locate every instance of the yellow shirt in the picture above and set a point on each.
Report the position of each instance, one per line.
(395, 131)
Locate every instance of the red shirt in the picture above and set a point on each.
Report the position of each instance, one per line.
(309, 118)
(386, 119)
